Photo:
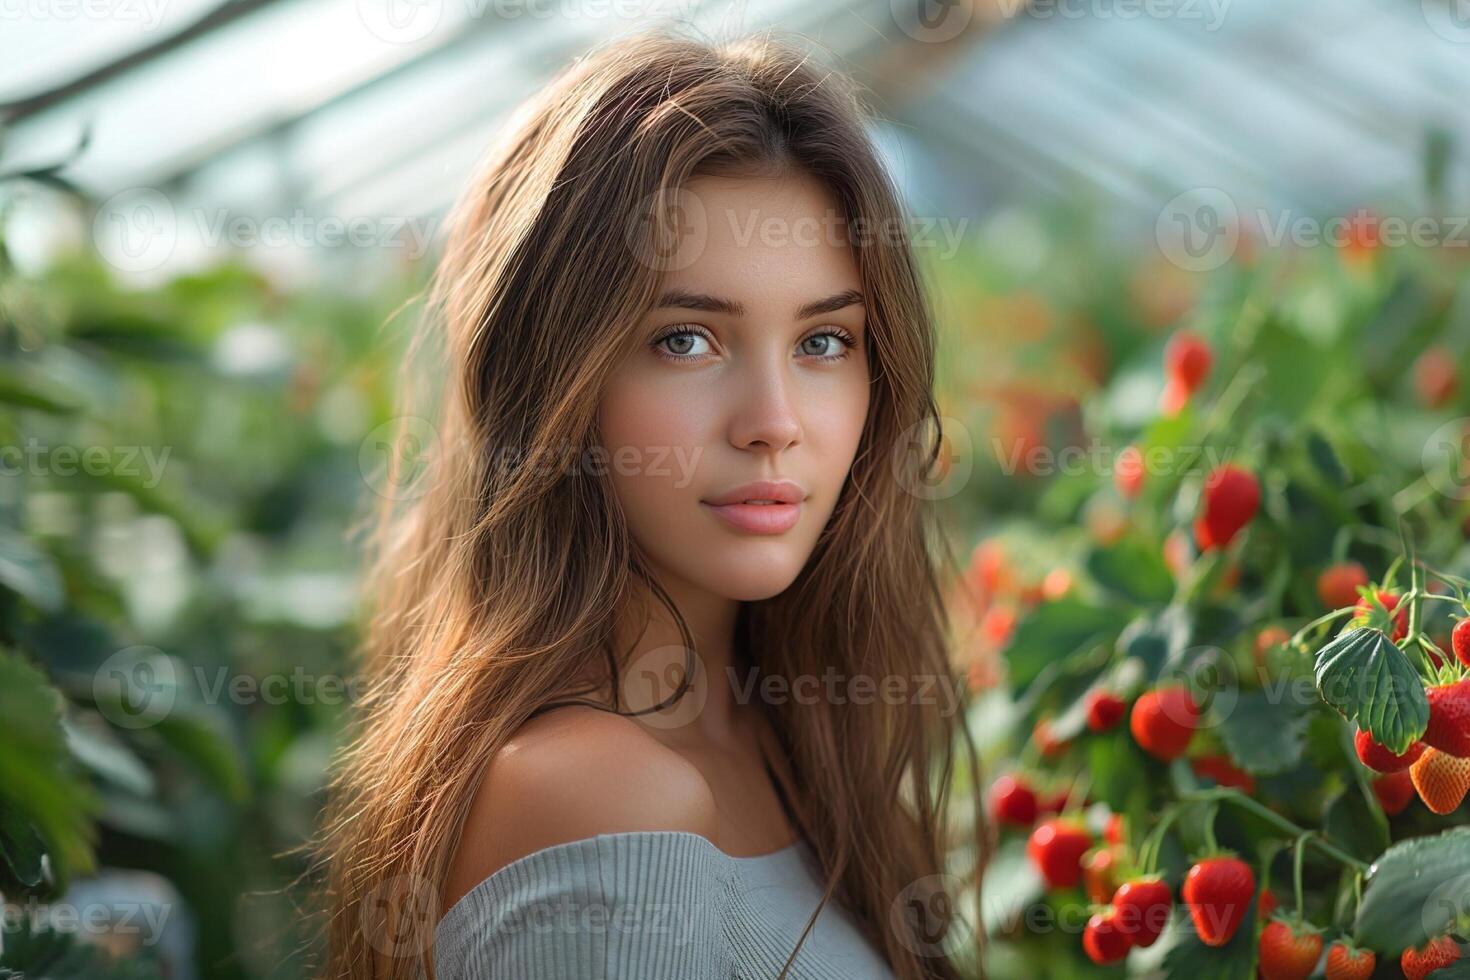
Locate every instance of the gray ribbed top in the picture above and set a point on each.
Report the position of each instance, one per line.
(651, 905)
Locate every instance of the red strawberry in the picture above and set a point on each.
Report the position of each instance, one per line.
(1460, 640)
(1380, 759)
(1435, 376)
(1056, 848)
(1099, 869)
(1113, 830)
(1187, 361)
(1216, 891)
(1104, 709)
(1128, 471)
(1394, 791)
(1366, 613)
(1337, 586)
(1013, 801)
(1143, 908)
(1224, 772)
(1163, 721)
(1347, 962)
(1439, 952)
(1102, 940)
(1441, 779)
(1289, 950)
(1231, 498)
(1449, 717)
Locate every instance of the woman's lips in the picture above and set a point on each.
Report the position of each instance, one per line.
(758, 518)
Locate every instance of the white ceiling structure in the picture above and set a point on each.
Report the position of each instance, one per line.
(381, 107)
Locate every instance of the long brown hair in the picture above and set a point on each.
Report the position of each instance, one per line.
(494, 583)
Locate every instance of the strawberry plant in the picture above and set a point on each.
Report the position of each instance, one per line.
(1256, 683)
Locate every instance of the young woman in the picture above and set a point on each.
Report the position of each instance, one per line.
(659, 686)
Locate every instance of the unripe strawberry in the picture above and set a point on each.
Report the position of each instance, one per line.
(1231, 498)
(1056, 847)
(1268, 639)
(1163, 721)
(1099, 871)
(1435, 376)
(1337, 586)
(1113, 829)
(1436, 954)
(1380, 759)
(1048, 743)
(1128, 471)
(1347, 962)
(1217, 891)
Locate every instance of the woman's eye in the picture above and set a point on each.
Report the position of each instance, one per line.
(684, 343)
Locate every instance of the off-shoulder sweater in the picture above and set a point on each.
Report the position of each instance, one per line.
(651, 905)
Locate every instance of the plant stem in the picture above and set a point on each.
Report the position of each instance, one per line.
(1296, 875)
(1230, 795)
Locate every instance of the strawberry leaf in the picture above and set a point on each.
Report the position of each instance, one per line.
(1415, 890)
(1188, 956)
(1370, 682)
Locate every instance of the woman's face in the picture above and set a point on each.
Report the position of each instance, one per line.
(751, 367)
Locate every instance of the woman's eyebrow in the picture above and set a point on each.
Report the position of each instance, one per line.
(833, 303)
(685, 300)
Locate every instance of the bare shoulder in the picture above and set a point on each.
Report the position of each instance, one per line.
(569, 774)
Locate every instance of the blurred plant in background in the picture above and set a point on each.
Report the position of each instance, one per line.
(182, 466)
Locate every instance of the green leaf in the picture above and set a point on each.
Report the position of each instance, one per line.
(21, 847)
(1133, 570)
(1158, 639)
(1370, 681)
(1351, 823)
(1190, 959)
(1415, 890)
(24, 392)
(1265, 735)
(1325, 459)
(1055, 630)
(28, 570)
(38, 781)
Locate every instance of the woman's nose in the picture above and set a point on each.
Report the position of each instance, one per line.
(767, 413)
